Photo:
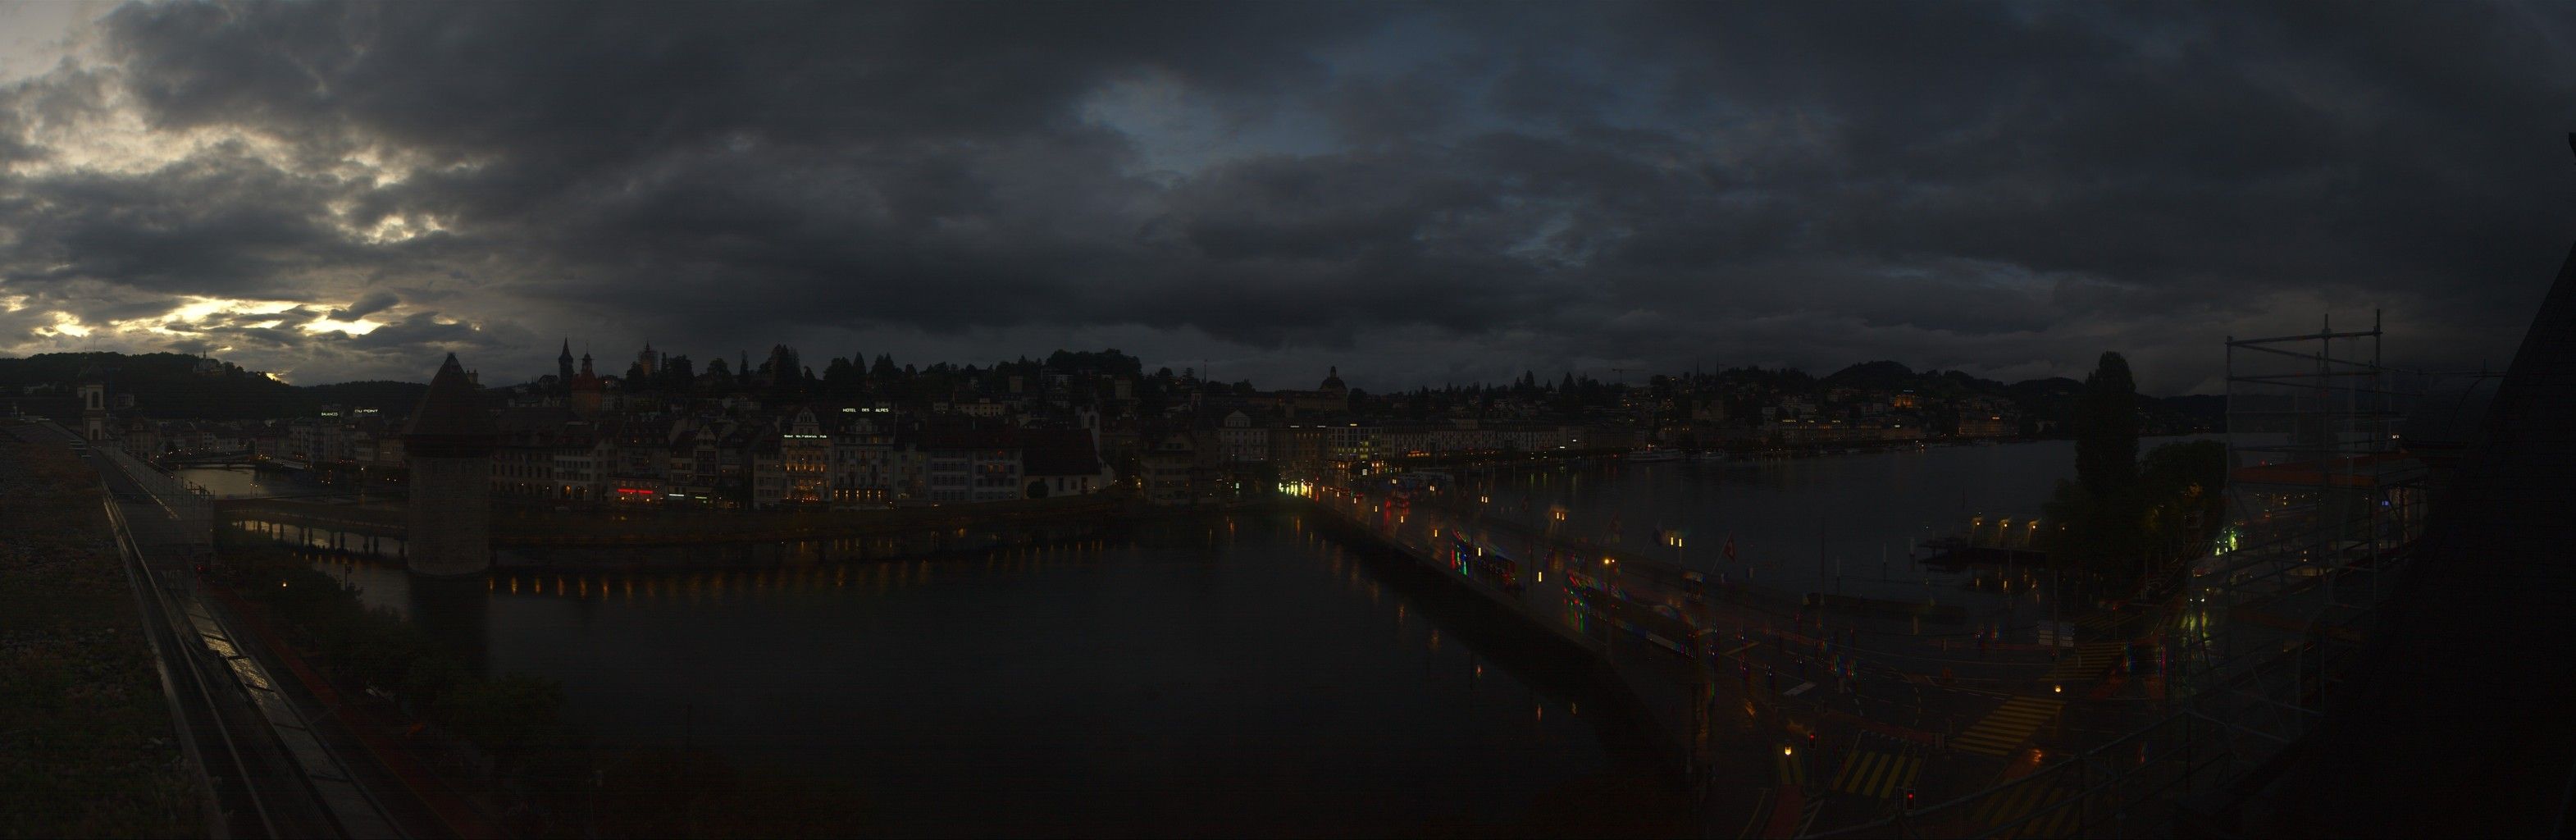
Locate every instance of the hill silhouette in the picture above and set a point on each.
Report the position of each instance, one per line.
(175, 385)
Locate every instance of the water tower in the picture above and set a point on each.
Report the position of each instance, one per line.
(449, 444)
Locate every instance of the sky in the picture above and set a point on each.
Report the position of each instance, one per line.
(1417, 194)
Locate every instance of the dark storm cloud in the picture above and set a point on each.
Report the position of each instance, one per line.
(368, 304)
(220, 223)
(418, 329)
(2005, 188)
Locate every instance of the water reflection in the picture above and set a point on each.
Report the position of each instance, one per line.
(1234, 671)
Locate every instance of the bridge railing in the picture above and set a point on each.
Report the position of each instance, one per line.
(191, 511)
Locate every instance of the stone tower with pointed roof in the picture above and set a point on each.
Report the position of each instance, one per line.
(585, 389)
(449, 445)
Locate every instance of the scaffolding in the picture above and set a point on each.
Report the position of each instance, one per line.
(2324, 507)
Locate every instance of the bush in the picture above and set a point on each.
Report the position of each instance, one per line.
(504, 714)
(511, 717)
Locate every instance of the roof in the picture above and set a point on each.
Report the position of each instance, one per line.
(543, 420)
(452, 408)
(1058, 452)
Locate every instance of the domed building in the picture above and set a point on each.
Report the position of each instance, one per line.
(1331, 397)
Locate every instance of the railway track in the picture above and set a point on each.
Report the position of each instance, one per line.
(270, 777)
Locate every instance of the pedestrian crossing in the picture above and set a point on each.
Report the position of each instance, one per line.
(2090, 662)
(2026, 808)
(2004, 729)
(1879, 768)
(1792, 767)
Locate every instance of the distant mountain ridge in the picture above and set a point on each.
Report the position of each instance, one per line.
(2051, 399)
(174, 385)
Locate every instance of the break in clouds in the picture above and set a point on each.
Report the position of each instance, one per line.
(1418, 193)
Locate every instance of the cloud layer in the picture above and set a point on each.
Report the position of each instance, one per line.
(1415, 193)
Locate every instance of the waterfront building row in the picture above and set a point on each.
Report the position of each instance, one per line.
(819, 457)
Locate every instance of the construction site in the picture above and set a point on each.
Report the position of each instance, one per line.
(2380, 527)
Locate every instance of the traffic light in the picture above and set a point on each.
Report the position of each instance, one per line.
(1909, 799)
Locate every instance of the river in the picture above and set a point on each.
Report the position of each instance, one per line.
(244, 482)
(1235, 675)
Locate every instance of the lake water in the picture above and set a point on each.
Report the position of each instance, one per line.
(1230, 675)
(1808, 524)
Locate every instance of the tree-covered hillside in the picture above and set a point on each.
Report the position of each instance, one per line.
(173, 385)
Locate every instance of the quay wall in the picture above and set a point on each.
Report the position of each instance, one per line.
(526, 545)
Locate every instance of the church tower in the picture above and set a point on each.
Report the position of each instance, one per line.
(586, 389)
(449, 446)
(93, 393)
(563, 366)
